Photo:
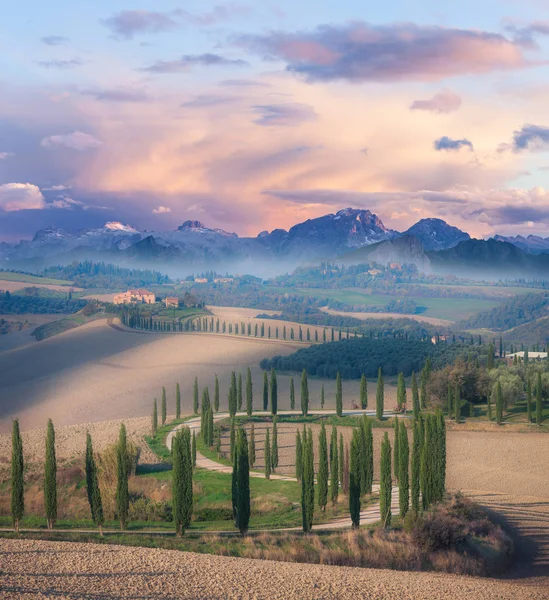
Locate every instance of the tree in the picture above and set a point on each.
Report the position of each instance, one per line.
(539, 400)
(292, 394)
(304, 393)
(380, 395)
(195, 396)
(251, 449)
(457, 403)
(216, 394)
(334, 467)
(242, 483)
(415, 395)
(239, 394)
(423, 393)
(193, 449)
(339, 396)
(177, 401)
(401, 391)
(395, 445)
(529, 400)
(307, 484)
(367, 455)
(274, 393)
(354, 480)
(322, 397)
(363, 392)
(232, 400)
(50, 477)
(182, 480)
(298, 457)
(122, 492)
(489, 406)
(385, 482)
(499, 404)
(490, 358)
(416, 466)
(265, 390)
(403, 470)
(249, 396)
(164, 410)
(232, 440)
(274, 448)
(154, 420)
(17, 475)
(92, 486)
(267, 455)
(322, 478)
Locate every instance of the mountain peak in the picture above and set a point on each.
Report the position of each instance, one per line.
(436, 234)
(117, 226)
(199, 227)
(49, 233)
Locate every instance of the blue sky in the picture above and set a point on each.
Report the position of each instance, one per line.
(252, 116)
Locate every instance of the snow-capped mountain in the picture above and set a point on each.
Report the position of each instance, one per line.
(436, 234)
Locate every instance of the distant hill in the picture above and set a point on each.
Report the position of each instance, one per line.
(533, 244)
(436, 234)
(530, 333)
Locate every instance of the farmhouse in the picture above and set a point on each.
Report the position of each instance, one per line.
(200, 280)
(140, 296)
(171, 302)
(520, 356)
(223, 280)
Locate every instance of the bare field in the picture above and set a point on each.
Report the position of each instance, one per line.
(382, 315)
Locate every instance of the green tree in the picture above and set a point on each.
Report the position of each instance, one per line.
(403, 470)
(334, 467)
(322, 478)
(193, 449)
(539, 400)
(92, 486)
(298, 457)
(292, 394)
(232, 440)
(322, 397)
(177, 401)
(499, 404)
(122, 492)
(232, 400)
(249, 396)
(242, 483)
(457, 403)
(164, 410)
(182, 480)
(274, 447)
(274, 393)
(154, 420)
(50, 477)
(385, 482)
(380, 395)
(251, 449)
(490, 357)
(195, 396)
(415, 395)
(308, 483)
(401, 391)
(239, 393)
(339, 396)
(304, 394)
(489, 406)
(17, 476)
(367, 455)
(363, 392)
(341, 469)
(265, 391)
(529, 400)
(416, 467)
(216, 394)
(267, 455)
(354, 480)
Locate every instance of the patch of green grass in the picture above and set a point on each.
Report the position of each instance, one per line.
(28, 278)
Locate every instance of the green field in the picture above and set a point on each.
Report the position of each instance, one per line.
(26, 278)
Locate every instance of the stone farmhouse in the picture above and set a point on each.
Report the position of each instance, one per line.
(140, 296)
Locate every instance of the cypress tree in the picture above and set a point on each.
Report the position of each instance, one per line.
(193, 449)
(416, 466)
(368, 458)
(363, 392)
(177, 401)
(385, 482)
(50, 477)
(216, 394)
(274, 448)
(423, 393)
(182, 480)
(195, 396)
(292, 394)
(122, 492)
(396, 449)
(251, 449)
(339, 396)
(267, 455)
(450, 399)
(265, 391)
(489, 406)
(307, 484)
(334, 467)
(298, 457)
(341, 456)
(274, 393)
(403, 470)
(322, 397)
(442, 456)
(234, 482)
(243, 484)
(17, 476)
(92, 486)
(529, 400)
(346, 476)
(304, 394)
(415, 395)
(490, 359)
(539, 401)
(322, 478)
(401, 392)
(164, 410)
(499, 403)
(380, 395)
(232, 395)
(239, 392)
(457, 403)
(232, 440)
(210, 427)
(249, 396)
(354, 480)
(154, 419)
(428, 463)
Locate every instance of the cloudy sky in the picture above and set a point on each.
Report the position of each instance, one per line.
(256, 115)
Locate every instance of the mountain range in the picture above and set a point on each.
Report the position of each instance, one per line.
(350, 235)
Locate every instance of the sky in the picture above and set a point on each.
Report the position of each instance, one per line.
(251, 116)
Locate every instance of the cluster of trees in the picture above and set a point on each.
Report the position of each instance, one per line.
(26, 301)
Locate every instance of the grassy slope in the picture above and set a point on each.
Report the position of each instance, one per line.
(25, 278)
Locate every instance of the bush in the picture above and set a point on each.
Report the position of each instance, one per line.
(145, 509)
(438, 531)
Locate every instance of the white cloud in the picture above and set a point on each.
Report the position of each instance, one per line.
(4, 155)
(75, 140)
(65, 202)
(160, 210)
(57, 188)
(21, 196)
